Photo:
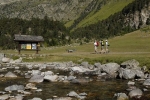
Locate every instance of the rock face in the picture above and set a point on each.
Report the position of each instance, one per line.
(55, 9)
(64, 10)
(138, 18)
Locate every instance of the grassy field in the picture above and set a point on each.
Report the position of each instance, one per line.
(135, 45)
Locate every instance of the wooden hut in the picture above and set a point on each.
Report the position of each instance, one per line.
(28, 42)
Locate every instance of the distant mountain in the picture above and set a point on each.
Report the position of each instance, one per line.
(62, 10)
(86, 11)
(74, 13)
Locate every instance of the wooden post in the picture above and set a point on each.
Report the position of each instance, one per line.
(38, 47)
(19, 47)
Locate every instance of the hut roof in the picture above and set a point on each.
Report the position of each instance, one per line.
(29, 38)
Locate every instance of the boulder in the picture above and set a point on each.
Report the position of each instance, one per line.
(36, 78)
(47, 73)
(135, 93)
(110, 68)
(2, 55)
(4, 96)
(130, 64)
(147, 82)
(6, 60)
(78, 69)
(121, 96)
(85, 64)
(69, 78)
(14, 88)
(51, 78)
(10, 74)
(30, 86)
(36, 72)
(127, 73)
(140, 74)
(72, 94)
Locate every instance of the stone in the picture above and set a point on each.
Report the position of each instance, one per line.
(135, 93)
(72, 94)
(36, 78)
(2, 55)
(130, 63)
(10, 74)
(110, 68)
(6, 60)
(14, 88)
(4, 96)
(147, 82)
(51, 78)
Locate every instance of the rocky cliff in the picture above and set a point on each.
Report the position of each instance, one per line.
(139, 18)
(66, 10)
(56, 9)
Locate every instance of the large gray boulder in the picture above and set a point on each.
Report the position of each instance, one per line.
(30, 86)
(147, 82)
(111, 68)
(130, 64)
(98, 66)
(121, 96)
(4, 96)
(135, 93)
(130, 73)
(47, 73)
(36, 78)
(85, 64)
(6, 60)
(1, 56)
(10, 74)
(14, 88)
(72, 94)
(35, 72)
(140, 74)
(127, 73)
(51, 78)
(79, 69)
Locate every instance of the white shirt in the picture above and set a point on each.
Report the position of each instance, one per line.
(95, 43)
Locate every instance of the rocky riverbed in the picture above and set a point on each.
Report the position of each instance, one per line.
(69, 81)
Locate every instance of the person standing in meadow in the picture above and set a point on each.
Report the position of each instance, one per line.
(102, 45)
(95, 46)
(107, 44)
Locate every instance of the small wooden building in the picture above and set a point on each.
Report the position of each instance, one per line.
(28, 42)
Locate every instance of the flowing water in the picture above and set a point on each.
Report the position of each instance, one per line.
(95, 90)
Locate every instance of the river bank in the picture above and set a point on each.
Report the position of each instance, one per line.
(70, 81)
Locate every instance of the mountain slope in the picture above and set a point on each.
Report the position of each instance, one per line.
(62, 10)
(107, 10)
(85, 12)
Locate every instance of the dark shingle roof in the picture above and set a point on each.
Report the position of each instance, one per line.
(29, 38)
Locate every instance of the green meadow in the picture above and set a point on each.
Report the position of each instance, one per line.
(135, 45)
